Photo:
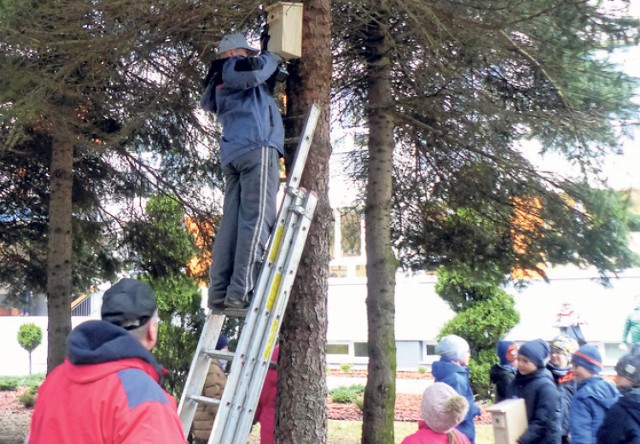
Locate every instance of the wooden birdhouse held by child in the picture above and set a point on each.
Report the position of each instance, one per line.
(509, 419)
(285, 29)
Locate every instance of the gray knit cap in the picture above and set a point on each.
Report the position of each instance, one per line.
(452, 347)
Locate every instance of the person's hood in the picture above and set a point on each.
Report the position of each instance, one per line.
(97, 348)
(631, 403)
(444, 367)
(599, 391)
(499, 369)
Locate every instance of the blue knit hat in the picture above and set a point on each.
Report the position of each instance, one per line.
(507, 352)
(536, 351)
(588, 357)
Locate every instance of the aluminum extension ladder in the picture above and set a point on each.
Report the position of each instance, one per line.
(250, 361)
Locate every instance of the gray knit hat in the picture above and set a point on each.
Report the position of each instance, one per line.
(235, 41)
(452, 347)
(442, 407)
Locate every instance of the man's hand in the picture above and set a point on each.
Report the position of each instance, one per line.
(264, 38)
(623, 346)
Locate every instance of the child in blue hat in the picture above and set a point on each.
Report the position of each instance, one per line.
(534, 384)
(594, 396)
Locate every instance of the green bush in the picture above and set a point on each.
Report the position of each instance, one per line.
(8, 384)
(346, 395)
(346, 367)
(359, 402)
(485, 313)
(28, 398)
(422, 370)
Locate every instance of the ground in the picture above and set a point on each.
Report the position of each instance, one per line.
(14, 418)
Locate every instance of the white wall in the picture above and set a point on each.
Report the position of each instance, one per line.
(15, 359)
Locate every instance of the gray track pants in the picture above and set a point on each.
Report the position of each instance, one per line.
(249, 213)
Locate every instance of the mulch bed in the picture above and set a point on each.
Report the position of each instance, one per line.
(15, 418)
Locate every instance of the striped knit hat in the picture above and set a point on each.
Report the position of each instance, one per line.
(588, 357)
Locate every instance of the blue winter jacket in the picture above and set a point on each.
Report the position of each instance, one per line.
(457, 377)
(621, 424)
(542, 401)
(249, 116)
(588, 407)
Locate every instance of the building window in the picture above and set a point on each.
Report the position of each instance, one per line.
(360, 349)
(430, 349)
(350, 232)
(337, 349)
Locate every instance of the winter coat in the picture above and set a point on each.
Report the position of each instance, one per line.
(501, 376)
(457, 377)
(214, 385)
(266, 409)
(592, 400)
(542, 399)
(249, 116)
(106, 391)
(425, 435)
(567, 385)
(621, 423)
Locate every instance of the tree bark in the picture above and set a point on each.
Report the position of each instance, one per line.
(380, 390)
(302, 390)
(59, 284)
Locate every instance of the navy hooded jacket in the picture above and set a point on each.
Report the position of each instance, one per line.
(621, 424)
(542, 400)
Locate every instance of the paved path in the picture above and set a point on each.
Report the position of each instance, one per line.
(403, 386)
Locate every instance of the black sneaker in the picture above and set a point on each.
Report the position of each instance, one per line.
(216, 303)
(238, 303)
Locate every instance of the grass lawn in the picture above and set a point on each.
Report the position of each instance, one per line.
(350, 432)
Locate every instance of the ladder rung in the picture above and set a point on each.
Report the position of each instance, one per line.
(217, 354)
(205, 400)
(231, 312)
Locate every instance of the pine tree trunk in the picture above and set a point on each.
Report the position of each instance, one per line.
(380, 391)
(302, 390)
(59, 260)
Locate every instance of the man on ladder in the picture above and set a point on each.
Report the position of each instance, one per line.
(252, 142)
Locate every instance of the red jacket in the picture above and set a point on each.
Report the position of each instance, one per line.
(107, 391)
(425, 435)
(266, 408)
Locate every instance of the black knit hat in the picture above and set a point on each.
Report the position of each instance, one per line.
(628, 366)
(129, 303)
(536, 351)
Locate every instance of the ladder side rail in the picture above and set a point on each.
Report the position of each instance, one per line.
(230, 395)
(198, 371)
(272, 329)
(232, 403)
(304, 144)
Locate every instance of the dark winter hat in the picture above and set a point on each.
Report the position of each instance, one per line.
(536, 351)
(442, 407)
(129, 303)
(629, 367)
(235, 41)
(507, 352)
(588, 357)
(452, 347)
